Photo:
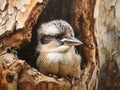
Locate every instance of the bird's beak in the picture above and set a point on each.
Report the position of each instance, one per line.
(71, 41)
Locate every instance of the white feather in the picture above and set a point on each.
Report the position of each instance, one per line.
(49, 29)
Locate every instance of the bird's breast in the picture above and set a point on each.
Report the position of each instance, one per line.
(61, 64)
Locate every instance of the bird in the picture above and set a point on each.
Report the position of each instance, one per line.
(56, 47)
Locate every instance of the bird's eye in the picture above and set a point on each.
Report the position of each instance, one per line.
(57, 36)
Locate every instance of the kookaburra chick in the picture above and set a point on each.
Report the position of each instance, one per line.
(56, 43)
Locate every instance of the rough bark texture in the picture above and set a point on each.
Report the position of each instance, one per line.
(17, 20)
(109, 42)
(17, 17)
(82, 19)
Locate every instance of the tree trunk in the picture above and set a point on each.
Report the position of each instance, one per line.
(109, 42)
(17, 19)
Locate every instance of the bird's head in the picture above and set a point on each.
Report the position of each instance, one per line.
(56, 36)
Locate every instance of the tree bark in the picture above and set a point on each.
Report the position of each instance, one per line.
(83, 21)
(109, 42)
(17, 20)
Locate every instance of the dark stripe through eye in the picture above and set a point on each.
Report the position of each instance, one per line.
(45, 39)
